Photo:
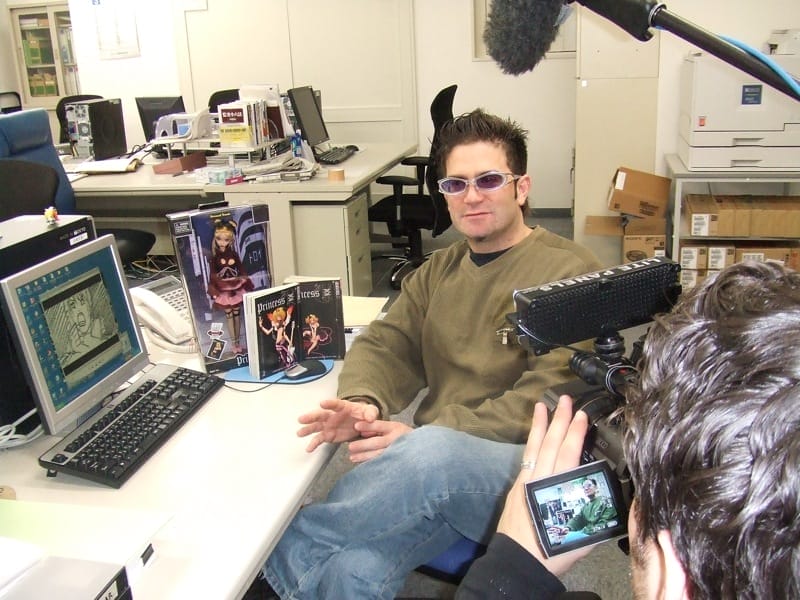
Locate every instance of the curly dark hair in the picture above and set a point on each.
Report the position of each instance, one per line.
(713, 433)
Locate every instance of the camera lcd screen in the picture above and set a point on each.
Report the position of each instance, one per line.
(577, 508)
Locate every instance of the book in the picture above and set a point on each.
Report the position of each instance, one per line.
(293, 322)
(222, 253)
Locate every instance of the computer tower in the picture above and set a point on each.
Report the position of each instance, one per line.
(26, 241)
(96, 128)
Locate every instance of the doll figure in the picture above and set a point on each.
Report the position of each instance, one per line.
(281, 329)
(314, 336)
(228, 280)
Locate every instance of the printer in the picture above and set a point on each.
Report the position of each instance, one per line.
(730, 120)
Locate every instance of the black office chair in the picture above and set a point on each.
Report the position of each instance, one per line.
(406, 214)
(61, 113)
(32, 198)
(222, 97)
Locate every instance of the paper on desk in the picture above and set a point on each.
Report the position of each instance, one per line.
(113, 165)
(360, 311)
(16, 557)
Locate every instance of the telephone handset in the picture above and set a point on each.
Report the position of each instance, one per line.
(162, 318)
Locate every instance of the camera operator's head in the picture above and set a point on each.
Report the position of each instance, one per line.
(713, 441)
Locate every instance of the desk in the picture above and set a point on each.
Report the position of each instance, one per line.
(232, 477)
(318, 227)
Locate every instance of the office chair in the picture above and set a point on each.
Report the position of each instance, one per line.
(38, 182)
(221, 97)
(61, 113)
(26, 136)
(406, 214)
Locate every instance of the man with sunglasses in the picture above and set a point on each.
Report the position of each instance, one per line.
(417, 490)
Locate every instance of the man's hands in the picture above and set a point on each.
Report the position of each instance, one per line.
(375, 438)
(342, 420)
(335, 421)
(549, 451)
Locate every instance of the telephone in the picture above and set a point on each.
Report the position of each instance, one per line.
(163, 317)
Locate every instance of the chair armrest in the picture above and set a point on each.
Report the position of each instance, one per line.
(393, 180)
(416, 161)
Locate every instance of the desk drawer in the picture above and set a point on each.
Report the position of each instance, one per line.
(357, 225)
(332, 240)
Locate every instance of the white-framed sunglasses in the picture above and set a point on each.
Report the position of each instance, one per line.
(486, 182)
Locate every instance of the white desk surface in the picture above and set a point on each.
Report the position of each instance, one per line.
(371, 161)
(232, 477)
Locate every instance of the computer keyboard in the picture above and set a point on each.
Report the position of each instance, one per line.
(114, 443)
(335, 155)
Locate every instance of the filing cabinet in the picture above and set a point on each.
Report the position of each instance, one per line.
(329, 234)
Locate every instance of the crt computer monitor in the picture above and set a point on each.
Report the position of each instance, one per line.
(72, 318)
(152, 108)
(308, 115)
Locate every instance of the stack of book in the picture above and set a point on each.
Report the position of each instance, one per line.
(243, 124)
(290, 323)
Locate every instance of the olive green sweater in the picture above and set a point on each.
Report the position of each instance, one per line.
(441, 333)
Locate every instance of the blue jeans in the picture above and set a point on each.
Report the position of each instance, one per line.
(394, 513)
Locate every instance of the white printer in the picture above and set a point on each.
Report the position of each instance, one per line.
(730, 120)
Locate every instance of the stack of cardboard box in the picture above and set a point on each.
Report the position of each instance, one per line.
(642, 200)
(759, 218)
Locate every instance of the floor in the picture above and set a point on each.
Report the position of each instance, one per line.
(605, 571)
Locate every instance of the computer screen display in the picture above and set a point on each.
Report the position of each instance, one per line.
(73, 321)
(151, 109)
(308, 115)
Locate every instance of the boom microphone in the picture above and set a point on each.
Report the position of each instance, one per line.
(519, 32)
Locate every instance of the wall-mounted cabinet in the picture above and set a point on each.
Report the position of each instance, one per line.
(44, 54)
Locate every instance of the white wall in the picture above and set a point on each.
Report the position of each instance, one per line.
(543, 100)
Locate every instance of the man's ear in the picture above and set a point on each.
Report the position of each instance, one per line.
(673, 576)
(524, 187)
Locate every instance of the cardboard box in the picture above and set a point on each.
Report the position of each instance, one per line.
(692, 277)
(639, 247)
(694, 257)
(720, 257)
(779, 254)
(638, 193)
(715, 216)
(775, 216)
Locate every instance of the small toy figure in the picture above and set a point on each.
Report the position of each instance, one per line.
(314, 336)
(228, 280)
(282, 331)
(51, 215)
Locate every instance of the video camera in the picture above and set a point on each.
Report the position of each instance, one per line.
(597, 305)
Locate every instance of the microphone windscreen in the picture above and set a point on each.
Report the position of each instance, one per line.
(519, 32)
